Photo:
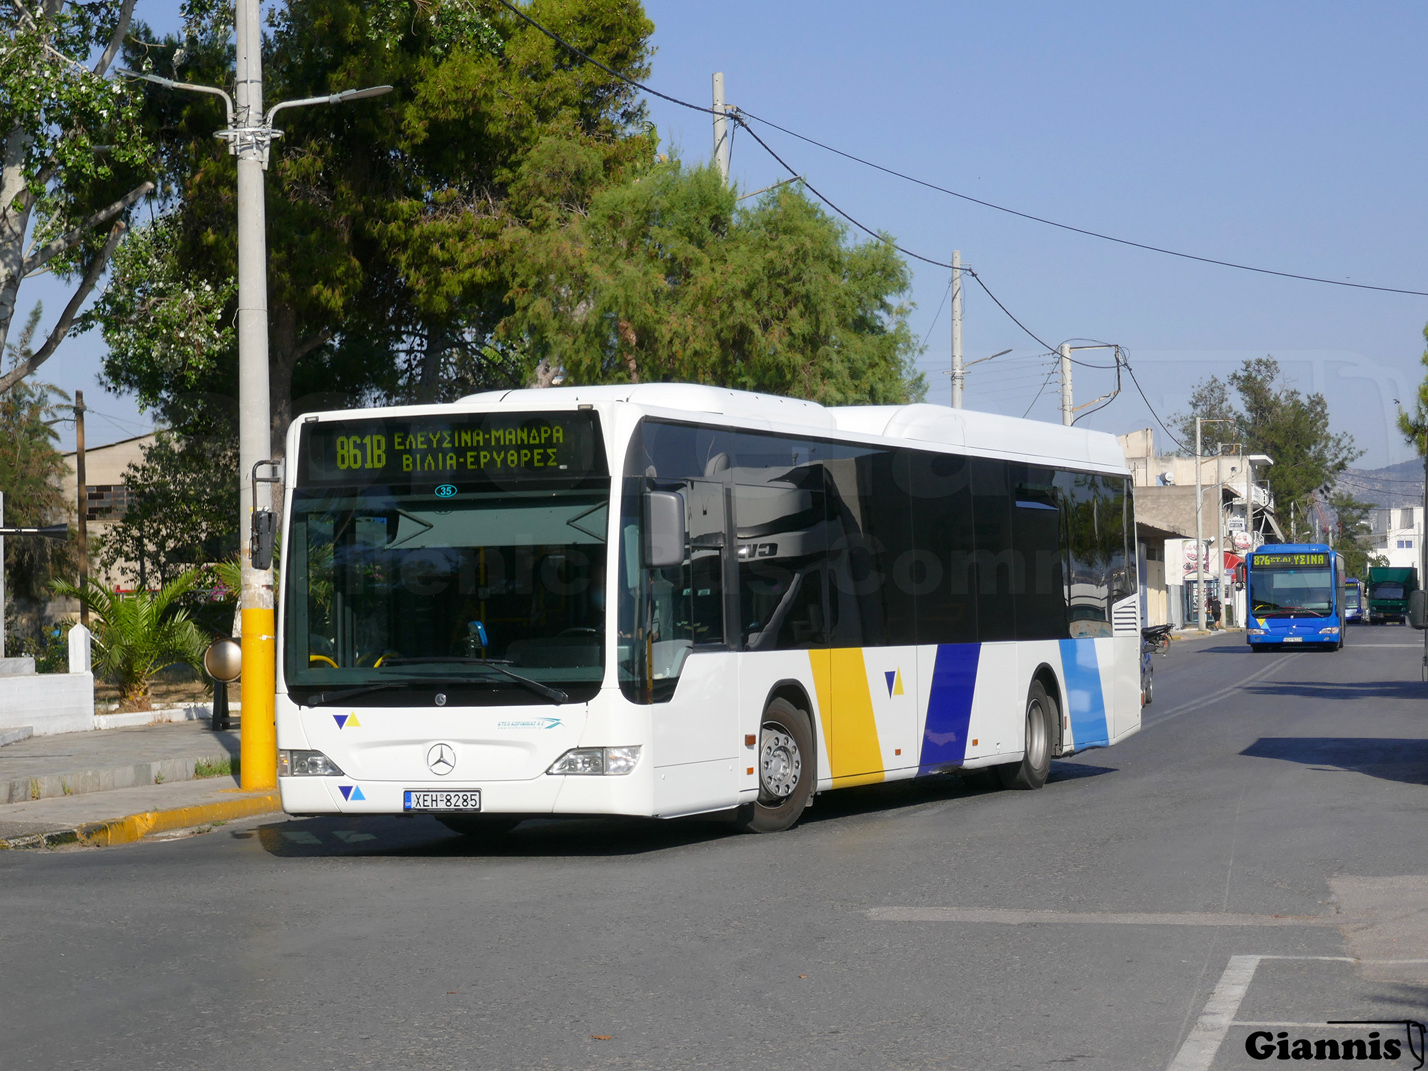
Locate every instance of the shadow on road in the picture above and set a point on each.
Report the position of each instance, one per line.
(1343, 690)
(1383, 757)
(423, 836)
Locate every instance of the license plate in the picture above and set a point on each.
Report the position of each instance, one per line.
(1293, 639)
(464, 799)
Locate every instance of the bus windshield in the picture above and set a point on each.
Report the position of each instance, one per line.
(1307, 591)
(1351, 597)
(491, 585)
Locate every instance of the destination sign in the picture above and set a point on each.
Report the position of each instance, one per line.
(1289, 561)
(498, 446)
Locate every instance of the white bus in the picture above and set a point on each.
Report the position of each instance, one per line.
(670, 600)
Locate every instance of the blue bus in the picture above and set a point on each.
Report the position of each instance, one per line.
(1353, 600)
(1297, 595)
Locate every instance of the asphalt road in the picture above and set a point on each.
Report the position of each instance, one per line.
(1146, 909)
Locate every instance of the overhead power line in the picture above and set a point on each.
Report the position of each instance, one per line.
(1078, 230)
(741, 115)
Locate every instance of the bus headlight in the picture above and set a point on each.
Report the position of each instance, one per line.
(1258, 631)
(611, 761)
(1332, 630)
(306, 764)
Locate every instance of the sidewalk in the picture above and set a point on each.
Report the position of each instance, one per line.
(113, 786)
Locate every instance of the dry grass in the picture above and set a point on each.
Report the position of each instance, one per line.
(166, 692)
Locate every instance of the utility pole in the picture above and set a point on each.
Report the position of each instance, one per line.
(1066, 407)
(721, 129)
(259, 735)
(958, 371)
(249, 134)
(1220, 532)
(1199, 534)
(82, 517)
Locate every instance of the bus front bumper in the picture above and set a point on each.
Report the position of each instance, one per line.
(629, 794)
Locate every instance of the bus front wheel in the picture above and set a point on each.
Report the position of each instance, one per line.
(785, 770)
(1035, 765)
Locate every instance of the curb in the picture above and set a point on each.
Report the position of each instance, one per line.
(104, 779)
(135, 827)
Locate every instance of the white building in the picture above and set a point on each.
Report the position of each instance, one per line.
(1397, 534)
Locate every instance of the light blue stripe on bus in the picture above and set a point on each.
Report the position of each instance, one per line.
(949, 706)
(1084, 701)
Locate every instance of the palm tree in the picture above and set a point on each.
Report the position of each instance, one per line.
(138, 636)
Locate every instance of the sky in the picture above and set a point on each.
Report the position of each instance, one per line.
(1285, 136)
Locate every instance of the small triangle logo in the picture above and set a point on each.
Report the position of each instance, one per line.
(891, 675)
(340, 719)
(352, 722)
(356, 794)
(346, 791)
(897, 684)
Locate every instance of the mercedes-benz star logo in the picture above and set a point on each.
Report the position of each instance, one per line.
(441, 759)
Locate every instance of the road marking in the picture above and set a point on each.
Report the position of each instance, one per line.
(301, 837)
(1223, 693)
(352, 837)
(1009, 917)
(1198, 1051)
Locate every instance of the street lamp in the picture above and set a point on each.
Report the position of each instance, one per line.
(249, 134)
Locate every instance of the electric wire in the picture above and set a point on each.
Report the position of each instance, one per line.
(1081, 230)
(941, 305)
(739, 115)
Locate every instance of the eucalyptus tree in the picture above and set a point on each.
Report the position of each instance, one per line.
(75, 158)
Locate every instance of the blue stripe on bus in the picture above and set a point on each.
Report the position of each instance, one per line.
(949, 706)
(1084, 701)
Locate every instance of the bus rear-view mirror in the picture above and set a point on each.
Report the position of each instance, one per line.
(1418, 609)
(665, 535)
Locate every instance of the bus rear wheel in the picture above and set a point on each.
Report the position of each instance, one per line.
(785, 770)
(1035, 765)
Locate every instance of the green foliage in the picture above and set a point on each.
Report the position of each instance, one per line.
(667, 279)
(31, 473)
(138, 636)
(166, 330)
(388, 270)
(183, 508)
(1271, 417)
(73, 144)
(1414, 423)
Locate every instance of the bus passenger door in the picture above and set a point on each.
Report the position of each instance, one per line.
(696, 732)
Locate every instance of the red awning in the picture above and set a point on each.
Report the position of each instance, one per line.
(1232, 561)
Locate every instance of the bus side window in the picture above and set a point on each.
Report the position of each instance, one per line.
(939, 487)
(998, 572)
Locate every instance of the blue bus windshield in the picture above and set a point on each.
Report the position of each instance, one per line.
(1306, 592)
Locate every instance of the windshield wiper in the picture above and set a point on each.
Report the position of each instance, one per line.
(555, 695)
(347, 693)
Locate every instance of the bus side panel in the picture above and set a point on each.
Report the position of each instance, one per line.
(1124, 655)
(697, 749)
(997, 725)
(1086, 691)
(947, 678)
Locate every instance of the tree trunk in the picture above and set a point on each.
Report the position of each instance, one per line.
(628, 341)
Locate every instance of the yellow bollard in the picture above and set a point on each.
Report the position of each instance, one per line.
(259, 734)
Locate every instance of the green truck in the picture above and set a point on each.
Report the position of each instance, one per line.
(1388, 591)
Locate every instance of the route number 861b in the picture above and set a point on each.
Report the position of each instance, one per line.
(361, 451)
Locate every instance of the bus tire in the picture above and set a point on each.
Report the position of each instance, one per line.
(1035, 764)
(1260, 648)
(785, 764)
(478, 827)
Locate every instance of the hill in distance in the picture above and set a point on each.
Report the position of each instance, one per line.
(1398, 485)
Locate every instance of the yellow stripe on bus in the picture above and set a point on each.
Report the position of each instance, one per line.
(849, 726)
